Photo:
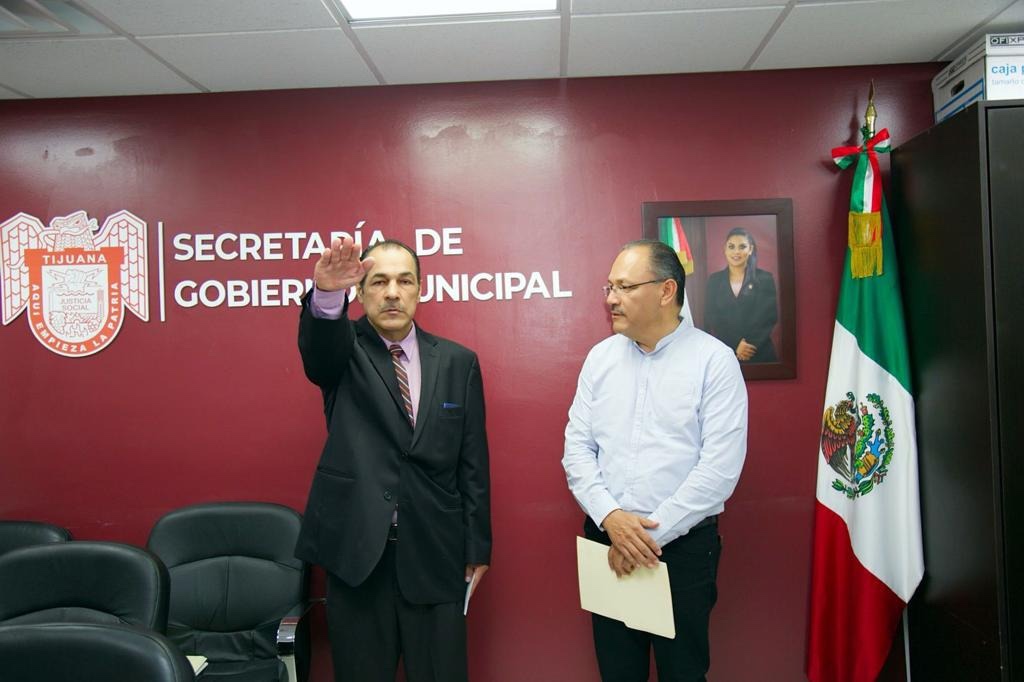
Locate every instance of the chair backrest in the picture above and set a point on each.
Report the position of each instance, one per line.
(89, 652)
(83, 582)
(234, 575)
(18, 534)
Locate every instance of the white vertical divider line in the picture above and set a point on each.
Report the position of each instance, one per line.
(160, 265)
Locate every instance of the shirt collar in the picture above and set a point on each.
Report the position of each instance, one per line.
(665, 340)
(409, 344)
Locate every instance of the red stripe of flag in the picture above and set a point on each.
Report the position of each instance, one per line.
(853, 614)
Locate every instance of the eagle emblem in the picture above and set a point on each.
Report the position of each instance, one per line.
(75, 278)
(857, 441)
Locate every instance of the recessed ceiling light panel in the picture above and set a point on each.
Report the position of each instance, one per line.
(50, 18)
(368, 10)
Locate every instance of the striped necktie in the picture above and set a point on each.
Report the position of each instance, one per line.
(403, 380)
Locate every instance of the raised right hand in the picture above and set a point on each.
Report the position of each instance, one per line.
(339, 267)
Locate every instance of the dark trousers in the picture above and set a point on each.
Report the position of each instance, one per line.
(624, 654)
(371, 625)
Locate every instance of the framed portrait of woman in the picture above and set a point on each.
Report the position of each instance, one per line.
(738, 259)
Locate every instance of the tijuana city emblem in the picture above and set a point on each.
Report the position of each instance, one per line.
(76, 279)
(857, 442)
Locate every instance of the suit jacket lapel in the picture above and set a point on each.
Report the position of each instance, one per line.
(379, 355)
(430, 363)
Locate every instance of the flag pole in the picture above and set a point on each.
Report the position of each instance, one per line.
(870, 115)
(906, 642)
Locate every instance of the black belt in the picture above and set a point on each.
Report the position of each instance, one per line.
(707, 521)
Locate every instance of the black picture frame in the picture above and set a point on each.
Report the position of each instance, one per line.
(705, 225)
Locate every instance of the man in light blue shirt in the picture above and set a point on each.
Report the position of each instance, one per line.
(656, 439)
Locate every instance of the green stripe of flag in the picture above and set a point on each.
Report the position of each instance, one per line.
(666, 231)
(871, 309)
(860, 175)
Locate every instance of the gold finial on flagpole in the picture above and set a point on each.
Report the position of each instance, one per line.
(865, 226)
(870, 114)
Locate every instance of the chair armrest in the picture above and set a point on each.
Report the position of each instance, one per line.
(289, 625)
(293, 640)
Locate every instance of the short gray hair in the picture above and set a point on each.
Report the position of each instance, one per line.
(664, 263)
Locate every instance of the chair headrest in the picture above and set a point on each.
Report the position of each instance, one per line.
(106, 577)
(17, 534)
(89, 653)
(255, 529)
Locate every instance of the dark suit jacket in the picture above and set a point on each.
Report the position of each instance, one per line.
(752, 315)
(372, 460)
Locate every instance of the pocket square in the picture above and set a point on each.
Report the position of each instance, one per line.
(449, 406)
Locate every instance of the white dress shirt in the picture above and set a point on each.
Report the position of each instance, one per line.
(660, 434)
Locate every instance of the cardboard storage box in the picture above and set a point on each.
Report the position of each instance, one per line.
(992, 68)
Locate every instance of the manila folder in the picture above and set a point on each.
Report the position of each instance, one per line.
(642, 600)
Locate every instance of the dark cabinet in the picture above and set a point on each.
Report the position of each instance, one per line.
(958, 222)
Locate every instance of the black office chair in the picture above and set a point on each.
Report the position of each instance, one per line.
(18, 534)
(83, 582)
(89, 652)
(237, 590)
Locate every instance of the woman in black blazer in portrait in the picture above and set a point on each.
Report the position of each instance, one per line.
(740, 307)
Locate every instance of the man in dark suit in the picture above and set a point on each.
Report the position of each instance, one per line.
(399, 510)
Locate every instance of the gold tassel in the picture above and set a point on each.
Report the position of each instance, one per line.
(686, 262)
(865, 244)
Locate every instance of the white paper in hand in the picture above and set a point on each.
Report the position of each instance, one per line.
(642, 600)
(469, 593)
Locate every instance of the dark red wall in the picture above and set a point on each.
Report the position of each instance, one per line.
(541, 175)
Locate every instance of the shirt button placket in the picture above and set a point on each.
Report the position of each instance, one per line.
(638, 425)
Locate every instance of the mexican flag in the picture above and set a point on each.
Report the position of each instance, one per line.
(867, 558)
(670, 231)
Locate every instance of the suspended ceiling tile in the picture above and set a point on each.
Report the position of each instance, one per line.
(160, 17)
(267, 60)
(84, 67)
(675, 42)
(1010, 20)
(871, 32)
(445, 52)
(8, 94)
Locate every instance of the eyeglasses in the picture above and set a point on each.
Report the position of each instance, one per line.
(619, 289)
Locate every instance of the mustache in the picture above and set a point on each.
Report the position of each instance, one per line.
(391, 307)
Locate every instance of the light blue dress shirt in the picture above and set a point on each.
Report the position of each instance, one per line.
(660, 434)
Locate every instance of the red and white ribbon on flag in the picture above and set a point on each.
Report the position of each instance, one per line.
(867, 179)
